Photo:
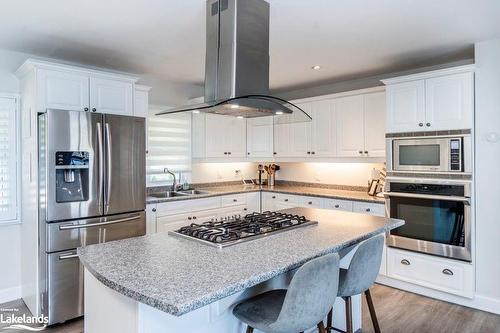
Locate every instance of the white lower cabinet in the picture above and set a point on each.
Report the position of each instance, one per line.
(172, 222)
(445, 275)
(368, 208)
(150, 219)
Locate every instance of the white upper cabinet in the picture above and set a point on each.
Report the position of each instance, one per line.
(260, 137)
(432, 101)
(225, 137)
(65, 87)
(449, 102)
(350, 126)
(405, 107)
(62, 90)
(299, 139)
(141, 101)
(323, 128)
(374, 127)
(111, 96)
(281, 140)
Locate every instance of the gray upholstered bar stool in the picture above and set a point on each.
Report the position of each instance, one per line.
(358, 278)
(303, 305)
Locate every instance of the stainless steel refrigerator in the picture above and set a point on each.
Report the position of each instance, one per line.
(91, 190)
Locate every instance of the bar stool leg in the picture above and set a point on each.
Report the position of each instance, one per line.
(348, 314)
(249, 329)
(321, 327)
(373, 315)
(329, 321)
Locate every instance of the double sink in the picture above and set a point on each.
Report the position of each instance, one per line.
(173, 194)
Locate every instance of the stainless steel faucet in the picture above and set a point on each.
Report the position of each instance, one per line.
(173, 188)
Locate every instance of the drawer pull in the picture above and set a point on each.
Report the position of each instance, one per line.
(368, 209)
(194, 217)
(235, 200)
(153, 210)
(447, 271)
(189, 218)
(337, 206)
(405, 262)
(245, 209)
(286, 200)
(273, 197)
(310, 203)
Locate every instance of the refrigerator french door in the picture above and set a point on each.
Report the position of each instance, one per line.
(91, 190)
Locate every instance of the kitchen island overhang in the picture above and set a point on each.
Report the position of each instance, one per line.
(178, 276)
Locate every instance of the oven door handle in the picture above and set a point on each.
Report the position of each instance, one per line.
(465, 200)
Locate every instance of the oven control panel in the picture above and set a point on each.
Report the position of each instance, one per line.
(455, 155)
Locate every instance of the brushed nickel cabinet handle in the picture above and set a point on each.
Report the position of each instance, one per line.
(405, 262)
(447, 271)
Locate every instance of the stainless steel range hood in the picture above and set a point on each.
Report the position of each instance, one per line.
(237, 64)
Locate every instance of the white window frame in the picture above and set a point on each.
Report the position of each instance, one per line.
(17, 119)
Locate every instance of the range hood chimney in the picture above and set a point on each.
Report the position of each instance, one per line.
(237, 64)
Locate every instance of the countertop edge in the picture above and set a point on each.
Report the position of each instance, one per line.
(151, 200)
(228, 291)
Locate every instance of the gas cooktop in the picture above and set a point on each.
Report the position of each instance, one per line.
(236, 229)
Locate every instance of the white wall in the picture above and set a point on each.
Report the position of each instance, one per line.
(222, 172)
(353, 174)
(487, 169)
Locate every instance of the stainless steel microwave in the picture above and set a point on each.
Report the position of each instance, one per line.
(432, 154)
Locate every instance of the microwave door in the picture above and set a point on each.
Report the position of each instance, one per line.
(421, 155)
(125, 156)
(70, 153)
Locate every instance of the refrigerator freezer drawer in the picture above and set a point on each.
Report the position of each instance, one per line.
(65, 286)
(72, 234)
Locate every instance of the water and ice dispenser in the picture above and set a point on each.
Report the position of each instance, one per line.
(72, 176)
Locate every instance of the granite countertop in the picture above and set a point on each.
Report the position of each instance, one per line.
(178, 275)
(330, 193)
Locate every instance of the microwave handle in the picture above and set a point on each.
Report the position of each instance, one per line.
(465, 200)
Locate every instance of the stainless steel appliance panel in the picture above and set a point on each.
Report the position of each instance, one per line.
(125, 169)
(437, 215)
(64, 286)
(72, 234)
(73, 131)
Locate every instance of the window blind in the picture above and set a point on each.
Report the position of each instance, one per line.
(168, 146)
(8, 160)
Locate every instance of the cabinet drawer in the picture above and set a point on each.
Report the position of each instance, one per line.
(338, 204)
(312, 202)
(441, 274)
(234, 200)
(368, 208)
(186, 206)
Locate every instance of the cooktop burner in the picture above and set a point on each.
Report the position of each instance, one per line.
(235, 229)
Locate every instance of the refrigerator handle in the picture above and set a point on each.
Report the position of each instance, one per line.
(100, 165)
(107, 132)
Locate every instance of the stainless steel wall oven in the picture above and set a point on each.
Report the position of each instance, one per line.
(437, 215)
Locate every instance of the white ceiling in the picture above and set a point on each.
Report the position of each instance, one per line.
(166, 38)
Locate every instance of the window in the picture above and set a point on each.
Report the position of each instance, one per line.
(9, 146)
(168, 146)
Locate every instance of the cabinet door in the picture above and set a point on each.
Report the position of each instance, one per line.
(236, 143)
(323, 128)
(281, 140)
(449, 102)
(350, 126)
(375, 124)
(216, 135)
(299, 135)
(260, 137)
(172, 222)
(141, 103)
(198, 135)
(111, 96)
(150, 219)
(269, 201)
(405, 107)
(62, 90)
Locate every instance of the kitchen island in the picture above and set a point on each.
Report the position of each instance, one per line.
(160, 283)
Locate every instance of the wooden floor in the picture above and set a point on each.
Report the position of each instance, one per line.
(398, 312)
(403, 312)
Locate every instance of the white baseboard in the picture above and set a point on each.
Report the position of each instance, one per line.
(478, 302)
(10, 294)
